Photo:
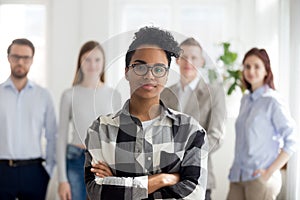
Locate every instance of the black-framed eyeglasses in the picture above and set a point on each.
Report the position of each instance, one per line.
(15, 58)
(158, 70)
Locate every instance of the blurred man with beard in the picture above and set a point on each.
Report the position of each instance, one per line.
(26, 114)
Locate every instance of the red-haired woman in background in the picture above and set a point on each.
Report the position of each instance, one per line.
(265, 134)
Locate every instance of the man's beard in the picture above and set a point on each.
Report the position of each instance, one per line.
(18, 75)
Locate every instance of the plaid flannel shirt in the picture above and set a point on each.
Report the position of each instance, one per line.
(174, 143)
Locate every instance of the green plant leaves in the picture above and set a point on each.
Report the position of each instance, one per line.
(231, 88)
(234, 75)
(228, 57)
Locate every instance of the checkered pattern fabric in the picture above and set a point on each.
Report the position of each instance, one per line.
(173, 143)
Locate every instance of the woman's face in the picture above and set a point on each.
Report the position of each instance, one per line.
(92, 64)
(254, 71)
(147, 86)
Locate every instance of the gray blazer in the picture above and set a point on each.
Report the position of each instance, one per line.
(206, 105)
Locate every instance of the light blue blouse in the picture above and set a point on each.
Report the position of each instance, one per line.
(263, 127)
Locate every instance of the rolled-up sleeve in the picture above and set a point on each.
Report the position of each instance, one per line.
(285, 126)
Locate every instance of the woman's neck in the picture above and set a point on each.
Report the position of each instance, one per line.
(91, 83)
(144, 109)
(255, 87)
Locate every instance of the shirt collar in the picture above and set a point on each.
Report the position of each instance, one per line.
(9, 83)
(192, 85)
(259, 92)
(164, 112)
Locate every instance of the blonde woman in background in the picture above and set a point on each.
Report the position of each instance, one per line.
(89, 97)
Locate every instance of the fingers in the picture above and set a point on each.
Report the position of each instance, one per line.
(101, 170)
(259, 172)
(65, 196)
(64, 191)
(101, 173)
(69, 196)
(256, 172)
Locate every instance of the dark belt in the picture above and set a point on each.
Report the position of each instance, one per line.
(16, 163)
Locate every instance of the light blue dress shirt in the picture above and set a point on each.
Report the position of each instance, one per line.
(263, 127)
(24, 117)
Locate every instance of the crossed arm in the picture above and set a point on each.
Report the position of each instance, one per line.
(102, 184)
(155, 181)
(185, 179)
(106, 184)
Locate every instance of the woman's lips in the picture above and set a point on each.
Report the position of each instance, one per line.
(148, 86)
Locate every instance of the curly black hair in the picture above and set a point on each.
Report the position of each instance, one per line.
(154, 36)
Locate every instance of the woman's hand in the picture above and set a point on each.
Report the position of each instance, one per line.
(158, 181)
(101, 169)
(263, 174)
(64, 191)
(171, 179)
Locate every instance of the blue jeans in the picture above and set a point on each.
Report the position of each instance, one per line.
(75, 172)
